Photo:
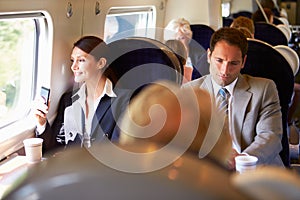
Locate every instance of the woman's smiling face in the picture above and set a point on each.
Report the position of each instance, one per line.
(84, 65)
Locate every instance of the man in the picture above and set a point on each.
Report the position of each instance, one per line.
(254, 114)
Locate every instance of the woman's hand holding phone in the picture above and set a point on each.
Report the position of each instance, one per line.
(40, 110)
(41, 105)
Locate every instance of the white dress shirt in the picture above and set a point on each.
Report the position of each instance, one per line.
(230, 89)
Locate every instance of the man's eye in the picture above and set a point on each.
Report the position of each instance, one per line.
(234, 63)
(219, 60)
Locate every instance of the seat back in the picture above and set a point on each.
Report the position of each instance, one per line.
(202, 34)
(277, 21)
(286, 31)
(264, 61)
(243, 13)
(226, 21)
(137, 61)
(290, 55)
(268, 182)
(203, 65)
(269, 33)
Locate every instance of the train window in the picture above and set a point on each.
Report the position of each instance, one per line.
(19, 44)
(16, 67)
(225, 9)
(24, 51)
(129, 21)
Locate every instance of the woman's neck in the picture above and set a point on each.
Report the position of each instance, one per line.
(93, 91)
(95, 88)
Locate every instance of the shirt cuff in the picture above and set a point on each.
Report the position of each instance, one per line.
(40, 129)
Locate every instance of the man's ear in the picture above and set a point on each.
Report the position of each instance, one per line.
(208, 55)
(101, 63)
(244, 61)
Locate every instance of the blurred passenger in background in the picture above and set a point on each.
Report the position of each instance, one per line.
(244, 23)
(180, 29)
(272, 6)
(258, 16)
(180, 50)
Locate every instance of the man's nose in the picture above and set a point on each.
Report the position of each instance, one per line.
(224, 67)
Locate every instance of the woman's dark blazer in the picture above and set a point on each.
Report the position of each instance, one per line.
(108, 113)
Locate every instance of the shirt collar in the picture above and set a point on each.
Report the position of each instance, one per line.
(108, 90)
(230, 87)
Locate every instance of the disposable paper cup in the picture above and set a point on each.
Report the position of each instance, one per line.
(245, 163)
(33, 149)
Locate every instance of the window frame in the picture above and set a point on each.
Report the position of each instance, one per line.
(14, 132)
(122, 11)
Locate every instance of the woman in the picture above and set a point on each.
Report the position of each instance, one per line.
(180, 29)
(92, 112)
(180, 50)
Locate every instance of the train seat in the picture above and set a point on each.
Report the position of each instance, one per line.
(290, 55)
(286, 31)
(138, 61)
(109, 172)
(269, 33)
(284, 21)
(269, 182)
(264, 61)
(243, 13)
(202, 34)
(293, 132)
(226, 21)
(277, 20)
(203, 65)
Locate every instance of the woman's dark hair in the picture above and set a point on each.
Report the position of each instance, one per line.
(92, 45)
(231, 36)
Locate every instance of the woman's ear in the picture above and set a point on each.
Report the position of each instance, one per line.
(101, 63)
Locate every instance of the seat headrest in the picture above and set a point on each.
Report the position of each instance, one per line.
(290, 55)
(286, 31)
(269, 33)
(284, 20)
(137, 61)
(202, 34)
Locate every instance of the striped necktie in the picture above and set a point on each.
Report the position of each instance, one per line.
(222, 100)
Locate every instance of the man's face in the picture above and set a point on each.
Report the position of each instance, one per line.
(226, 62)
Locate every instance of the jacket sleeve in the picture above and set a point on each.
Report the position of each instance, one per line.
(268, 129)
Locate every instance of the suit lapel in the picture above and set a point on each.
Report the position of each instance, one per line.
(207, 85)
(240, 101)
(103, 107)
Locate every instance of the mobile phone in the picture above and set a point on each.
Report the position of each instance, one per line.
(45, 94)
